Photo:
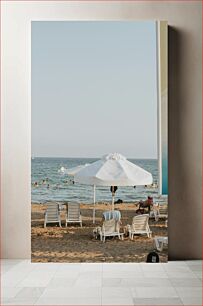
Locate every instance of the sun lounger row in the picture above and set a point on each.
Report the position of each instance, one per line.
(52, 214)
(112, 228)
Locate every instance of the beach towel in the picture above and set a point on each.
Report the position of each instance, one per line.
(115, 214)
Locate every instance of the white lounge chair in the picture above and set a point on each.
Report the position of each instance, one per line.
(73, 213)
(154, 210)
(161, 212)
(110, 228)
(139, 226)
(52, 214)
(160, 243)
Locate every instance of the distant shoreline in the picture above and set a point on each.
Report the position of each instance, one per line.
(134, 158)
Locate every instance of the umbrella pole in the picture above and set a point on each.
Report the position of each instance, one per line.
(112, 201)
(94, 204)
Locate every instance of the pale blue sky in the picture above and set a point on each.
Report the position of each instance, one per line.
(94, 89)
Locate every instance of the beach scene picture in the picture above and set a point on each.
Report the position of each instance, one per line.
(99, 189)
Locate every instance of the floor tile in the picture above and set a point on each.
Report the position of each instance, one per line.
(136, 267)
(185, 282)
(9, 292)
(176, 268)
(61, 282)
(152, 267)
(193, 262)
(72, 292)
(67, 267)
(116, 292)
(122, 274)
(189, 291)
(91, 267)
(44, 268)
(178, 274)
(146, 282)
(67, 274)
(28, 292)
(177, 263)
(153, 292)
(11, 261)
(4, 301)
(69, 301)
(6, 268)
(157, 301)
(36, 281)
(195, 268)
(90, 274)
(89, 282)
(198, 274)
(155, 274)
(22, 301)
(117, 301)
(15, 275)
(112, 282)
(173, 283)
(192, 301)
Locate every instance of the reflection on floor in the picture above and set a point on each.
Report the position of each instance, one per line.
(173, 283)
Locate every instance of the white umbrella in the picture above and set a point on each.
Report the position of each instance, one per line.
(113, 170)
(74, 170)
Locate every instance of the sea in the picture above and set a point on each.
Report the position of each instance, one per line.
(48, 183)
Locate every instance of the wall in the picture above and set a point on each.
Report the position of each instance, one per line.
(185, 72)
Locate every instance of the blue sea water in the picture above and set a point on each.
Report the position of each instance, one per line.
(59, 187)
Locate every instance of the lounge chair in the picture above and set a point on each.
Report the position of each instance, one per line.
(139, 226)
(115, 214)
(154, 210)
(160, 243)
(52, 214)
(161, 212)
(73, 214)
(110, 228)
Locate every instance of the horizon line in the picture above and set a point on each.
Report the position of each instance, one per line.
(76, 157)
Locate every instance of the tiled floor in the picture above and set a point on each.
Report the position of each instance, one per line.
(173, 283)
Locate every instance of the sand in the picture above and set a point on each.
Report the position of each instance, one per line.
(76, 244)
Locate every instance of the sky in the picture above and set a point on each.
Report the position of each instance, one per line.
(94, 88)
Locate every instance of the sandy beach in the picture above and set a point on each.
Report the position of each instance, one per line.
(76, 244)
